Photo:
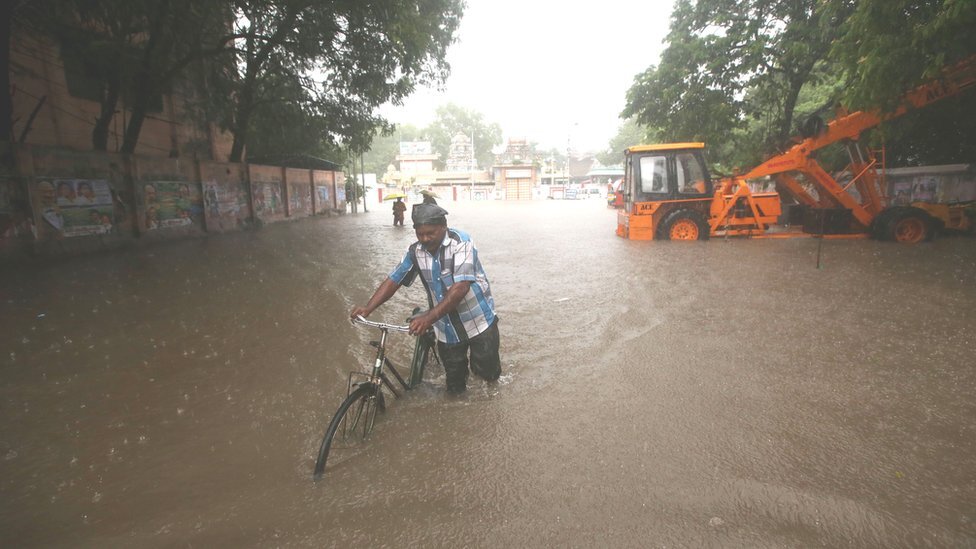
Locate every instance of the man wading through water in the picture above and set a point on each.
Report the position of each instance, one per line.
(463, 311)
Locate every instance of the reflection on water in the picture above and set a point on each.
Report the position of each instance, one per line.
(725, 393)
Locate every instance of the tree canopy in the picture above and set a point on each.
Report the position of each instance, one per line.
(742, 75)
(322, 66)
(628, 133)
(451, 119)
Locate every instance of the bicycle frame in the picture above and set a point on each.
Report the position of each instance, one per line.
(377, 375)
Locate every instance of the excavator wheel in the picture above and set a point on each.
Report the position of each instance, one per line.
(909, 226)
(683, 225)
(879, 227)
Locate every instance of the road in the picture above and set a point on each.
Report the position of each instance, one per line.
(725, 393)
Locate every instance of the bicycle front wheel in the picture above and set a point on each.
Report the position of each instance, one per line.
(350, 426)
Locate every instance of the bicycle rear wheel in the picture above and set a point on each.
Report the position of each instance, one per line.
(350, 426)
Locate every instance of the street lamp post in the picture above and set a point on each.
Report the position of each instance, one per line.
(471, 166)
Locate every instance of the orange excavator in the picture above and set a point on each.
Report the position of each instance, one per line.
(668, 194)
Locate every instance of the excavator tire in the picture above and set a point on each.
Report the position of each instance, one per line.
(879, 226)
(910, 226)
(683, 225)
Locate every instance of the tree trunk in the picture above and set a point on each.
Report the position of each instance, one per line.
(6, 102)
(140, 106)
(242, 119)
(240, 132)
(107, 114)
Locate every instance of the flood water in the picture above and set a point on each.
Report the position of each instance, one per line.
(725, 393)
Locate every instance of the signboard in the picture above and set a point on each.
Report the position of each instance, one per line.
(518, 174)
(415, 147)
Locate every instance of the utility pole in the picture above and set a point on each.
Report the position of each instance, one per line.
(362, 172)
(354, 199)
(471, 165)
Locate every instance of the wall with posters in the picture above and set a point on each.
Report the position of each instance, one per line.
(226, 205)
(945, 184)
(299, 185)
(267, 192)
(324, 195)
(79, 201)
(59, 201)
(170, 200)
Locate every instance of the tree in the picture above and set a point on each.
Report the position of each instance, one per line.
(385, 147)
(451, 119)
(728, 60)
(127, 51)
(629, 133)
(350, 56)
(891, 46)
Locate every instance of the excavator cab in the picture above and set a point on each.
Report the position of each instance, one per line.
(667, 193)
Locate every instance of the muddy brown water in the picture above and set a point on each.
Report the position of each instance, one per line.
(725, 393)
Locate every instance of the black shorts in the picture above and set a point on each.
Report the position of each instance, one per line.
(485, 362)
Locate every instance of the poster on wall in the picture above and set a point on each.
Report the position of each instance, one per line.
(226, 204)
(340, 193)
(925, 188)
(267, 199)
(901, 193)
(171, 204)
(76, 207)
(323, 192)
(299, 199)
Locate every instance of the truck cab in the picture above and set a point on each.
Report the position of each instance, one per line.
(667, 193)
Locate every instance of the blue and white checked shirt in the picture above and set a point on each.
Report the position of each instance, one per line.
(456, 260)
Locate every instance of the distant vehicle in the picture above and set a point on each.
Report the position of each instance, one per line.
(615, 196)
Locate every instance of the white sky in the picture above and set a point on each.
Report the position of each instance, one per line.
(556, 73)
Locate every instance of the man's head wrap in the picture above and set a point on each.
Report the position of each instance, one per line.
(428, 214)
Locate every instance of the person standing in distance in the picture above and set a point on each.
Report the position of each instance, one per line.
(462, 311)
(399, 208)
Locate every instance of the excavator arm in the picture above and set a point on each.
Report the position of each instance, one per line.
(849, 126)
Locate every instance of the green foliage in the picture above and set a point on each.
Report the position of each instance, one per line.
(451, 120)
(733, 71)
(302, 76)
(890, 46)
(742, 75)
(629, 133)
(348, 56)
(385, 147)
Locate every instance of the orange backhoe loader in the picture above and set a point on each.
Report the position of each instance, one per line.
(669, 195)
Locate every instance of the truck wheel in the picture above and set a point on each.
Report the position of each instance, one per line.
(879, 227)
(683, 225)
(910, 226)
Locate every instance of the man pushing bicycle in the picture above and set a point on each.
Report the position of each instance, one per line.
(462, 312)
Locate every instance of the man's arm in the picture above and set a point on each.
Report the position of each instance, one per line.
(450, 302)
(383, 293)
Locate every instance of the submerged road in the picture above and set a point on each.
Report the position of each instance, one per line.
(724, 393)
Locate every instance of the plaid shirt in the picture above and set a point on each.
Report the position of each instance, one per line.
(456, 260)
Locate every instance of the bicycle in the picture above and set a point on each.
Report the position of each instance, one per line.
(356, 416)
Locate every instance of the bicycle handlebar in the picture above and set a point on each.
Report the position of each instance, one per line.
(382, 325)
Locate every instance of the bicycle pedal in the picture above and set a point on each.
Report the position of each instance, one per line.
(375, 344)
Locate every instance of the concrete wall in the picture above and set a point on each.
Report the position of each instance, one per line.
(59, 201)
(944, 184)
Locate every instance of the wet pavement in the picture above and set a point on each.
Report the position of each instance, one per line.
(725, 393)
